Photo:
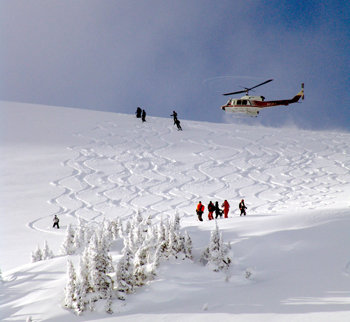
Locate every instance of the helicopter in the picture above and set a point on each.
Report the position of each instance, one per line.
(251, 105)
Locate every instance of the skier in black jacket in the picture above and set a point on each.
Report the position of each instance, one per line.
(242, 207)
(218, 211)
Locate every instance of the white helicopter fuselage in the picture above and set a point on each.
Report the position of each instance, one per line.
(246, 104)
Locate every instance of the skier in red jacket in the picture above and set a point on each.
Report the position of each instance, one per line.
(199, 211)
(226, 207)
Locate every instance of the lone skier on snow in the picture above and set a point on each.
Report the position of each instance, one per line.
(56, 222)
(242, 207)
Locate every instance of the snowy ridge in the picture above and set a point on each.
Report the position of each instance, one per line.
(292, 244)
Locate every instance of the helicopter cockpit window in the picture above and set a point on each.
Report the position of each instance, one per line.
(244, 102)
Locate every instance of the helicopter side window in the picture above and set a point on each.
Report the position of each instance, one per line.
(239, 102)
(244, 102)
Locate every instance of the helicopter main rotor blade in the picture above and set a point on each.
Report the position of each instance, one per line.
(248, 89)
(239, 92)
(268, 81)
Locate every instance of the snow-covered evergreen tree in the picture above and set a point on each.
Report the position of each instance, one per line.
(79, 297)
(68, 247)
(125, 273)
(46, 252)
(163, 240)
(79, 234)
(216, 254)
(116, 229)
(146, 224)
(140, 268)
(136, 237)
(176, 222)
(37, 255)
(107, 233)
(82, 287)
(69, 291)
(188, 246)
(100, 264)
(181, 250)
(138, 218)
(104, 244)
(127, 228)
(173, 237)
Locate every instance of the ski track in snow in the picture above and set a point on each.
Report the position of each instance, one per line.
(118, 173)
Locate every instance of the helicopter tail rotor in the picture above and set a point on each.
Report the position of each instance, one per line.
(302, 89)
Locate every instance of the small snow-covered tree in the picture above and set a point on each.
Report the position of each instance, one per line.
(125, 273)
(69, 291)
(80, 234)
(79, 303)
(127, 228)
(176, 241)
(146, 224)
(140, 268)
(173, 246)
(163, 240)
(116, 229)
(68, 247)
(100, 264)
(82, 287)
(46, 252)
(216, 254)
(188, 246)
(176, 222)
(84, 269)
(107, 233)
(37, 255)
(138, 218)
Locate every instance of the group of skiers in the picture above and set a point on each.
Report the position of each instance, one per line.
(212, 208)
(217, 210)
(141, 114)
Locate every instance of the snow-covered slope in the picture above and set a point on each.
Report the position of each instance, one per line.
(74, 163)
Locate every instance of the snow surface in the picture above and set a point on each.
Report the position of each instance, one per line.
(294, 242)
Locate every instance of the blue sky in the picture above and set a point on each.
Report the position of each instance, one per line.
(182, 55)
